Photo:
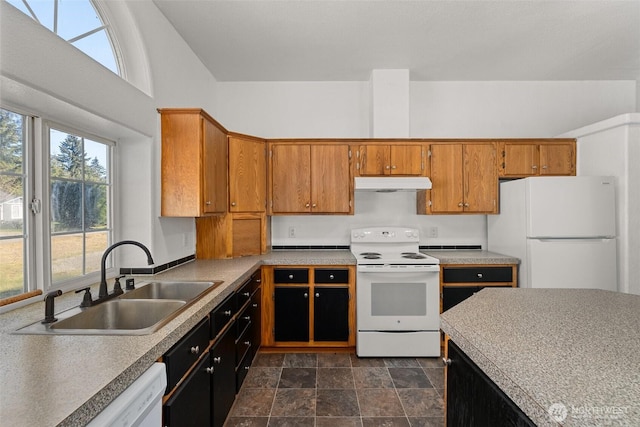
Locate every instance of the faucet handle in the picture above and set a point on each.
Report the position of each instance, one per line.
(117, 288)
(87, 300)
(48, 306)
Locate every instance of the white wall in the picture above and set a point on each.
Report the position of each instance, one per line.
(437, 109)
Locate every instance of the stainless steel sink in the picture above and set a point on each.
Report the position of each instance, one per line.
(184, 291)
(141, 311)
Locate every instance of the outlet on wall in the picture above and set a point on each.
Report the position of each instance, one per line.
(432, 232)
(292, 232)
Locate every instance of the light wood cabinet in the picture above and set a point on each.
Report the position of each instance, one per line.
(247, 174)
(193, 165)
(392, 159)
(308, 306)
(464, 179)
(310, 178)
(521, 159)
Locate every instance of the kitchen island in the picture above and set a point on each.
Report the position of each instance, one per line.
(563, 356)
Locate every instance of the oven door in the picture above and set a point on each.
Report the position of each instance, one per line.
(398, 300)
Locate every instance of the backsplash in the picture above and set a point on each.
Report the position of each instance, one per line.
(379, 209)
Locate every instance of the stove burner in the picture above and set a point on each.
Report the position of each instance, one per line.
(412, 255)
(372, 256)
(370, 253)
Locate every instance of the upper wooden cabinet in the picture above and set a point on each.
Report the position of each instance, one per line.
(521, 159)
(391, 159)
(310, 178)
(193, 165)
(247, 174)
(464, 180)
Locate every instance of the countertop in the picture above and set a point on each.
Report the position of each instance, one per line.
(575, 349)
(470, 257)
(51, 380)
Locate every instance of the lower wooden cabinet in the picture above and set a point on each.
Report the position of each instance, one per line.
(472, 399)
(459, 282)
(207, 366)
(308, 306)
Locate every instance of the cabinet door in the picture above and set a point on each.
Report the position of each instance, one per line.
(406, 160)
(223, 380)
(331, 314)
(190, 404)
(291, 308)
(374, 160)
(446, 178)
(247, 175)
(290, 178)
(481, 178)
(214, 168)
(520, 160)
(557, 159)
(330, 179)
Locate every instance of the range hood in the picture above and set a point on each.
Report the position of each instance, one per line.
(392, 183)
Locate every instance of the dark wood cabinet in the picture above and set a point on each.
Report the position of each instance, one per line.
(189, 404)
(186, 352)
(223, 381)
(458, 283)
(331, 313)
(473, 399)
(291, 307)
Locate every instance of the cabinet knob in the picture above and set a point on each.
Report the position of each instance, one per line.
(247, 318)
(446, 361)
(479, 275)
(317, 295)
(314, 205)
(460, 205)
(209, 370)
(544, 166)
(254, 305)
(208, 202)
(534, 167)
(233, 203)
(386, 167)
(246, 294)
(258, 280)
(247, 343)
(195, 350)
(306, 205)
(246, 368)
(217, 359)
(306, 295)
(291, 276)
(466, 205)
(393, 167)
(331, 276)
(227, 313)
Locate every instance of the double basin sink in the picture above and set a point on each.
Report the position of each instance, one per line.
(140, 311)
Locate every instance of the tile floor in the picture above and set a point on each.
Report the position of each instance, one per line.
(339, 389)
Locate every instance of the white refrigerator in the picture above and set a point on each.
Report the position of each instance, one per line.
(563, 230)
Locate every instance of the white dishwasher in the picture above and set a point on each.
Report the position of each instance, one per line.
(140, 405)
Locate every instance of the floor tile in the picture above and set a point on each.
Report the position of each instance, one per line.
(401, 362)
(274, 360)
(300, 360)
(297, 378)
(385, 422)
(338, 422)
(262, 378)
(294, 402)
(426, 422)
(335, 378)
(409, 378)
(430, 362)
(291, 422)
(421, 402)
(246, 422)
(334, 360)
(334, 403)
(376, 377)
(379, 402)
(436, 376)
(366, 361)
(253, 402)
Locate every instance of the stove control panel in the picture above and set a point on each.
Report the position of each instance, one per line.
(385, 234)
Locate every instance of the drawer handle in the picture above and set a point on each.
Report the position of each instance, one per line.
(317, 294)
(217, 359)
(247, 343)
(246, 294)
(195, 350)
(246, 368)
(331, 276)
(446, 361)
(479, 275)
(210, 370)
(247, 318)
(208, 202)
(291, 276)
(258, 280)
(227, 313)
(254, 305)
(306, 295)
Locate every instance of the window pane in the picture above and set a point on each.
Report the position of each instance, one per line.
(66, 257)
(98, 47)
(12, 205)
(66, 206)
(67, 155)
(76, 18)
(96, 161)
(96, 244)
(95, 214)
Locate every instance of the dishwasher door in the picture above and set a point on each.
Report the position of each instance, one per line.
(140, 405)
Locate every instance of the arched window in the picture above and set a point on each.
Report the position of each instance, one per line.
(76, 21)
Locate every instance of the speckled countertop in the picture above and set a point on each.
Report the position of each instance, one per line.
(575, 349)
(470, 257)
(51, 380)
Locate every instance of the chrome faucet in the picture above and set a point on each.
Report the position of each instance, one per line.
(103, 293)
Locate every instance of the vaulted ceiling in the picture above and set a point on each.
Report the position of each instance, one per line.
(340, 40)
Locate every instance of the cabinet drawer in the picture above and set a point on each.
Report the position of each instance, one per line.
(242, 371)
(186, 351)
(189, 405)
(221, 315)
(243, 294)
(243, 346)
(477, 274)
(331, 275)
(291, 275)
